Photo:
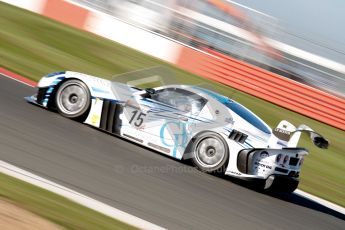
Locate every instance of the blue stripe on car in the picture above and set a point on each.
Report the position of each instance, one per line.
(55, 73)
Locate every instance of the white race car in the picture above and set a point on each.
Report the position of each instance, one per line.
(184, 122)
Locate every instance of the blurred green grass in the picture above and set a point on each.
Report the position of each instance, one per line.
(55, 208)
(33, 46)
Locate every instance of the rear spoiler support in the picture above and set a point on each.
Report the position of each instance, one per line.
(292, 135)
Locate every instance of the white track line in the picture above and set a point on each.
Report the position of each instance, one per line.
(318, 200)
(79, 198)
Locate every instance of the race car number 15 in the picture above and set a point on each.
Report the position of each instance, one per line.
(137, 118)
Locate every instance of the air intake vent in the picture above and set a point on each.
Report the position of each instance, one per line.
(293, 161)
(238, 136)
(110, 120)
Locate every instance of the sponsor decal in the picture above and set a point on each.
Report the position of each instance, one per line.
(179, 133)
(264, 154)
(282, 131)
(95, 119)
(258, 164)
(282, 134)
(237, 173)
(229, 120)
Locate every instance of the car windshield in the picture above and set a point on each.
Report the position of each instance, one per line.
(181, 99)
(240, 110)
(247, 115)
(154, 82)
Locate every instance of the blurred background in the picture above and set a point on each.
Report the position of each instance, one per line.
(236, 30)
(207, 41)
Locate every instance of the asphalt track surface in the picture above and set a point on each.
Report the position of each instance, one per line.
(139, 181)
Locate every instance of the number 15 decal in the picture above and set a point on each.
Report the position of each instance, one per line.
(138, 118)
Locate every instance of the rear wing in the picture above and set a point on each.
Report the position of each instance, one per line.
(290, 135)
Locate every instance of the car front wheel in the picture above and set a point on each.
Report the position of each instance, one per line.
(73, 99)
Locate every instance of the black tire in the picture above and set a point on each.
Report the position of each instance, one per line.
(281, 184)
(291, 187)
(73, 99)
(210, 152)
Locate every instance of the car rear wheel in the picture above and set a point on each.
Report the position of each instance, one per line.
(281, 184)
(73, 99)
(210, 152)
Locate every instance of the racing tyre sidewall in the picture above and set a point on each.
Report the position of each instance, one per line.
(73, 99)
